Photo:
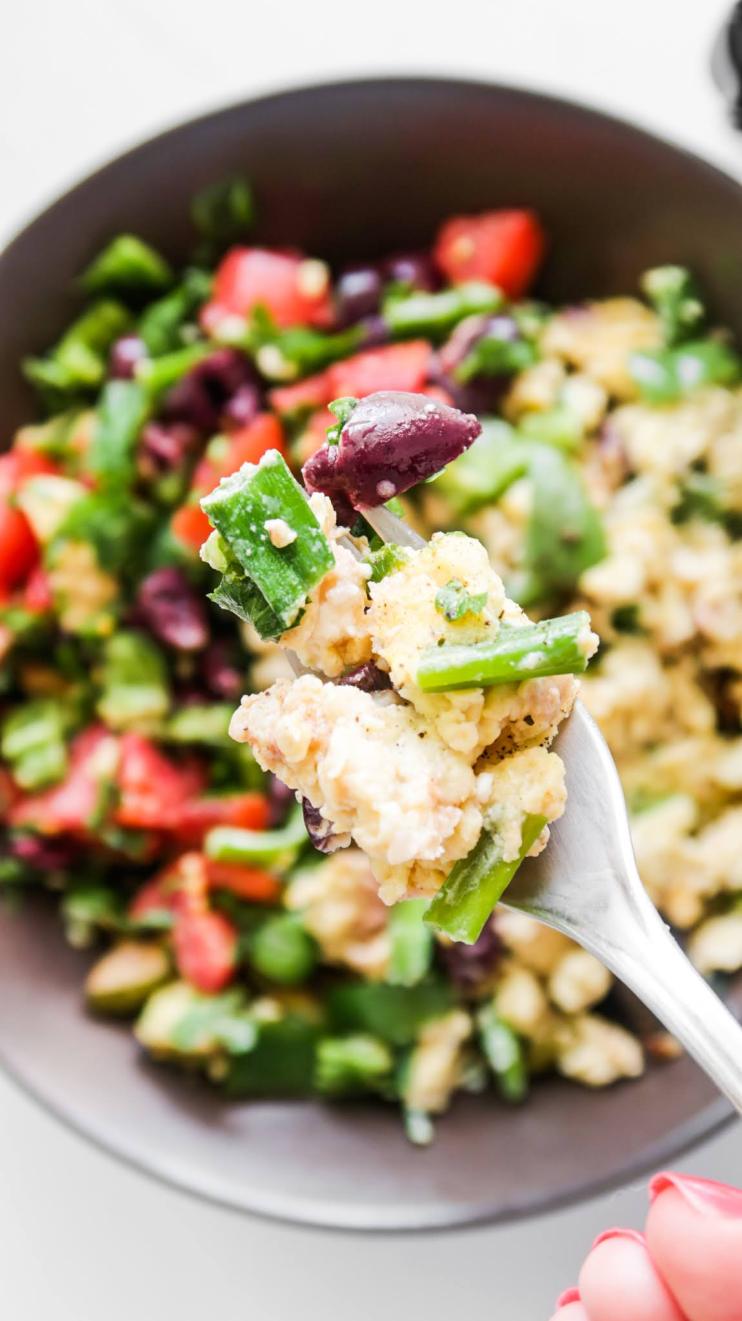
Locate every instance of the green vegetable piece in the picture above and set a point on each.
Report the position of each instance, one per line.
(672, 292)
(162, 322)
(565, 532)
(234, 844)
(224, 211)
(125, 976)
(528, 651)
(117, 527)
(435, 314)
(504, 1053)
(33, 741)
(281, 1063)
(134, 681)
(394, 1013)
(155, 376)
(240, 597)
(350, 1066)
(454, 602)
(89, 907)
(282, 950)
(207, 725)
(387, 559)
(239, 509)
(342, 410)
(411, 943)
(127, 265)
(283, 355)
(662, 376)
(122, 412)
(180, 1022)
(485, 471)
(555, 426)
(470, 892)
(496, 357)
(77, 363)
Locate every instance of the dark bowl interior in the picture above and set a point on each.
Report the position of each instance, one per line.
(346, 171)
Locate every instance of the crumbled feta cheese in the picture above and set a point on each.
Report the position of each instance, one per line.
(279, 532)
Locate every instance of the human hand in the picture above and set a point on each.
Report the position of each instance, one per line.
(686, 1266)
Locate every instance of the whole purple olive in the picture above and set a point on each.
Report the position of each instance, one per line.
(243, 407)
(171, 610)
(471, 967)
(413, 268)
(482, 394)
(280, 798)
(319, 830)
(367, 678)
(204, 393)
(124, 356)
(163, 447)
(391, 441)
(357, 294)
(220, 672)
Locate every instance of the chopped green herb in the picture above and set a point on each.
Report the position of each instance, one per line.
(122, 412)
(454, 601)
(127, 265)
(224, 211)
(135, 693)
(387, 559)
(342, 409)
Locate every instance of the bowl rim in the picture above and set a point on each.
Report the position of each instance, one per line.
(705, 1122)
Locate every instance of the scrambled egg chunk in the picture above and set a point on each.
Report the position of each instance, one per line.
(411, 777)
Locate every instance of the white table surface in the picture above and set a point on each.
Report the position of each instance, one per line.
(79, 79)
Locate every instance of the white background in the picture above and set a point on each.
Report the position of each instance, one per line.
(80, 1235)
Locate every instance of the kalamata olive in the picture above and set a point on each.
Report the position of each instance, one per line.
(171, 610)
(280, 798)
(124, 356)
(221, 673)
(243, 407)
(319, 831)
(374, 331)
(471, 967)
(163, 447)
(392, 440)
(357, 294)
(483, 393)
(203, 394)
(42, 852)
(413, 268)
(368, 678)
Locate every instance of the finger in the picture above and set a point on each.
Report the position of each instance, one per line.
(572, 1311)
(619, 1280)
(694, 1233)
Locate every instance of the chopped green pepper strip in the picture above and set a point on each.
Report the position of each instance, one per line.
(435, 314)
(77, 363)
(234, 844)
(491, 356)
(157, 375)
(411, 943)
(475, 884)
(241, 506)
(127, 264)
(122, 412)
(161, 323)
(347, 1066)
(518, 652)
(504, 1053)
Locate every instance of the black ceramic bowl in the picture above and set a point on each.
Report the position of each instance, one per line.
(346, 171)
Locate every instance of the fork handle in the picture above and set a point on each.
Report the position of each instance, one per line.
(653, 965)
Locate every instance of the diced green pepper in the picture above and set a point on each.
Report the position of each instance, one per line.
(77, 363)
(282, 950)
(281, 1063)
(161, 323)
(179, 1021)
(127, 265)
(410, 943)
(435, 314)
(394, 1013)
(233, 844)
(33, 741)
(135, 693)
(122, 412)
(352, 1065)
(156, 376)
(240, 508)
(223, 211)
(491, 356)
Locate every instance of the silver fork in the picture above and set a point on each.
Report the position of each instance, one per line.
(586, 885)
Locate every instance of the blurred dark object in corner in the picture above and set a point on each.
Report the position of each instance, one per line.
(726, 64)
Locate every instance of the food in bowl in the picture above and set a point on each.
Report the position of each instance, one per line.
(606, 478)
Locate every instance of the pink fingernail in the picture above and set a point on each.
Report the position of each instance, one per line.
(705, 1195)
(632, 1235)
(569, 1296)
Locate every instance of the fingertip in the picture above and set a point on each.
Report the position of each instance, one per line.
(618, 1280)
(697, 1245)
(574, 1311)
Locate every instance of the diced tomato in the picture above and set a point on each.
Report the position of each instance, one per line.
(247, 445)
(71, 805)
(314, 435)
(197, 815)
(152, 790)
(190, 525)
(502, 247)
(19, 550)
(391, 367)
(9, 791)
(281, 282)
(205, 947)
(250, 883)
(37, 594)
(17, 465)
(312, 392)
